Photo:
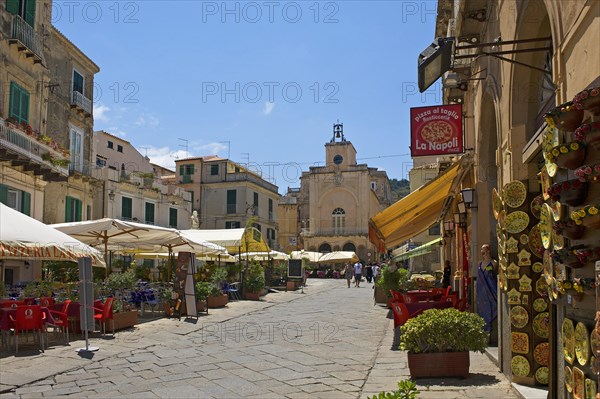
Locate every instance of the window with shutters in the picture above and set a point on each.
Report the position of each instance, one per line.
(214, 170)
(72, 209)
(19, 103)
(149, 214)
(270, 209)
(231, 201)
(255, 205)
(186, 172)
(23, 8)
(173, 218)
(232, 225)
(76, 149)
(78, 82)
(126, 208)
(16, 199)
(110, 145)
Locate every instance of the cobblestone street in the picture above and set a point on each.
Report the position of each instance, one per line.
(330, 342)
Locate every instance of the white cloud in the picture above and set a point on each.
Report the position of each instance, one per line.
(146, 119)
(268, 108)
(100, 112)
(115, 131)
(213, 148)
(166, 157)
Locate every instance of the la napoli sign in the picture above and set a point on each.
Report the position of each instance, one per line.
(436, 130)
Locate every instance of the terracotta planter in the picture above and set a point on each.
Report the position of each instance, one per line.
(569, 120)
(291, 286)
(571, 192)
(123, 320)
(252, 296)
(589, 133)
(589, 100)
(591, 221)
(445, 364)
(572, 159)
(201, 306)
(217, 301)
(380, 296)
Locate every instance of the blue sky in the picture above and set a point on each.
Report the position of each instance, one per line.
(262, 82)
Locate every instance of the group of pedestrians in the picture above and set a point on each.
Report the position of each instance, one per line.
(372, 272)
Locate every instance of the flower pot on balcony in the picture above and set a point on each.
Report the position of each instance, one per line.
(566, 117)
(569, 155)
(217, 301)
(589, 100)
(571, 192)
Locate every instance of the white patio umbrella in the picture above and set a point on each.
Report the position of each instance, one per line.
(309, 255)
(275, 255)
(338, 257)
(25, 238)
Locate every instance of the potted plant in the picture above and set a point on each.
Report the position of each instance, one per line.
(165, 297)
(216, 297)
(569, 155)
(123, 314)
(588, 99)
(571, 192)
(439, 340)
(203, 290)
(567, 117)
(254, 282)
(587, 216)
(392, 278)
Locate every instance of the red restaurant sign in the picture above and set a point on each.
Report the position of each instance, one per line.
(436, 130)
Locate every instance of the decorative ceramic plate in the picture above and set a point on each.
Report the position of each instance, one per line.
(512, 271)
(524, 258)
(541, 375)
(540, 286)
(548, 265)
(578, 383)
(568, 379)
(520, 366)
(514, 194)
(497, 203)
(541, 353)
(524, 239)
(546, 226)
(595, 363)
(537, 267)
(512, 245)
(568, 340)
(582, 344)
(541, 325)
(502, 219)
(540, 304)
(516, 222)
(595, 342)
(546, 183)
(535, 241)
(591, 389)
(556, 208)
(519, 342)
(519, 316)
(552, 168)
(536, 206)
(558, 241)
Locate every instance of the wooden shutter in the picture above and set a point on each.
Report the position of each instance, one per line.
(24, 106)
(26, 203)
(78, 205)
(126, 207)
(149, 213)
(68, 209)
(3, 194)
(12, 6)
(173, 217)
(231, 197)
(191, 169)
(15, 101)
(29, 12)
(181, 170)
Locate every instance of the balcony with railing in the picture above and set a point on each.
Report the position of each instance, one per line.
(335, 232)
(27, 40)
(33, 152)
(231, 208)
(81, 102)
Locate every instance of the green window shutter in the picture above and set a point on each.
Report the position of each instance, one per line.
(180, 170)
(149, 213)
(29, 12)
(78, 205)
(68, 210)
(173, 217)
(3, 194)
(26, 203)
(12, 6)
(126, 207)
(24, 106)
(231, 197)
(15, 101)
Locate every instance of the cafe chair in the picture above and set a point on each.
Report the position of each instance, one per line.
(28, 318)
(47, 302)
(396, 296)
(449, 298)
(407, 298)
(61, 319)
(401, 314)
(232, 290)
(105, 314)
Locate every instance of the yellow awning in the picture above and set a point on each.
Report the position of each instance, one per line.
(417, 211)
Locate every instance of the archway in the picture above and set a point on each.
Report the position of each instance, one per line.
(349, 247)
(325, 247)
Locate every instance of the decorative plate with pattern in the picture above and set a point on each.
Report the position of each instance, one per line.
(541, 375)
(541, 325)
(595, 363)
(578, 383)
(568, 340)
(537, 267)
(519, 316)
(595, 342)
(535, 241)
(524, 258)
(516, 222)
(519, 342)
(497, 203)
(568, 379)
(512, 245)
(523, 238)
(514, 193)
(536, 206)
(546, 226)
(556, 208)
(558, 241)
(591, 389)
(548, 265)
(540, 304)
(546, 183)
(502, 219)
(582, 344)
(541, 353)
(520, 366)
(540, 286)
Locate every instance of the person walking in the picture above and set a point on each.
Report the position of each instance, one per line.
(376, 274)
(487, 285)
(358, 268)
(369, 272)
(348, 273)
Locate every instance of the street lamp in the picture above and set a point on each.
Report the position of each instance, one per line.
(468, 195)
(449, 227)
(434, 61)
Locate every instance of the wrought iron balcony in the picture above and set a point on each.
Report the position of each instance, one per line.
(27, 40)
(33, 154)
(81, 102)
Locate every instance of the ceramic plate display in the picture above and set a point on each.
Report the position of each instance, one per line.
(536, 206)
(535, 241)
(595, 342)
(512, 271)
(541, 325)
(540, 286)
(519, 342)
(546, 183)
(519, 316)
(525, 283)
(578, 383)
(545, 226)
(541, 353)
(497, 203)
(552, 168)
(514, 194)
(520, 366)
(568, 379)
(537, 267)
(591, 389)
(541, 375)
(516, 222)
(556, 208)
(568, 340)
(540, 304)
(524, 258)
(582, 344)
(524, 239)
(548, 265)
(595, 364)
(558, 241)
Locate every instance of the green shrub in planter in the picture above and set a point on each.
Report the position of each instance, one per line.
(444, 330)
(255, 278)
(393, 278)
(203, 290)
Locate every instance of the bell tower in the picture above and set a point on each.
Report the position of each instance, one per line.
(339, 151)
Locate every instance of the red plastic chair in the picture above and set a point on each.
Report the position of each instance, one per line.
(449, 298)
(28, 318)
(61, 319)
(105, 314)
(407, 298)
(401, 314)
(461, 304)
(47, 302)
(396, 296)
(448, 290)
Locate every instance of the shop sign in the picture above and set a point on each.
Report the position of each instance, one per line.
(436, 130)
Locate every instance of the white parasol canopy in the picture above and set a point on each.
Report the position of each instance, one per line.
(275, 255)
(338, 257)
(22, 237)
(309, 255)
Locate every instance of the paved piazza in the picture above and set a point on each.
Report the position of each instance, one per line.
(330, 342)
